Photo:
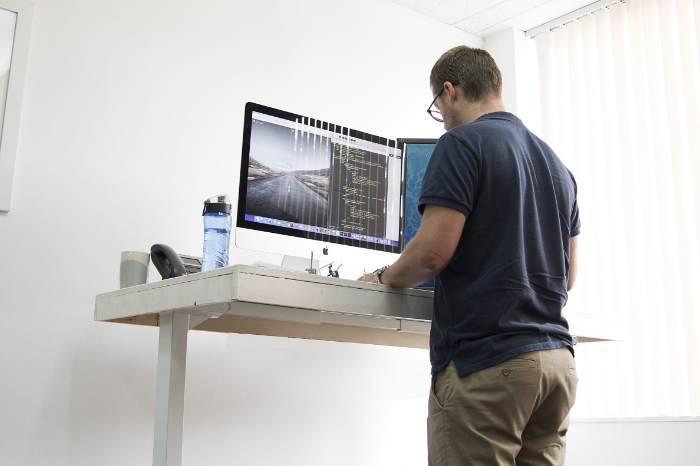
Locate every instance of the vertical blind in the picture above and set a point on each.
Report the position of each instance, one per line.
(620, 96)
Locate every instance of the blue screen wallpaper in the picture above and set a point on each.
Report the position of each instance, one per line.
(417, 157)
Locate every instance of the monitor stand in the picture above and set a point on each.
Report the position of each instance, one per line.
(301, 264)
(295, 263)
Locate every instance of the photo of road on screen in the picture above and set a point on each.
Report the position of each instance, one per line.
(288, 174)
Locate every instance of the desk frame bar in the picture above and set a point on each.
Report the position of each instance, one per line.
(170, 389)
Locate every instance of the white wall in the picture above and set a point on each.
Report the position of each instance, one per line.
(516, 56)
(132, 116)
(636, 441)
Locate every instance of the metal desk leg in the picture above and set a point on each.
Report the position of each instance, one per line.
(170, 389)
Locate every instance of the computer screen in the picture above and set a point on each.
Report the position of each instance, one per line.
(311, 179)
(417, 153)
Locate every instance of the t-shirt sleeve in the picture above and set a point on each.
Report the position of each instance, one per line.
(451, 178)
(575, 219)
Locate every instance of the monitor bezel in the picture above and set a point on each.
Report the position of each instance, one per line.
(241, 222)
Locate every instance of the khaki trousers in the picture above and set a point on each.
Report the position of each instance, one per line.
(514, 413)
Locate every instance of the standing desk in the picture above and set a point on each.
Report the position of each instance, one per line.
(266, 301)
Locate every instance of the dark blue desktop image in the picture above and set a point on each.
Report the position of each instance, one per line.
(417, 153)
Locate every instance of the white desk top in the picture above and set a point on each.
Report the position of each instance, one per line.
(266, 301)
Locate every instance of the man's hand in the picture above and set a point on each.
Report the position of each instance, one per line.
(368, 277)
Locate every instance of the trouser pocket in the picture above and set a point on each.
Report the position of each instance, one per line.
(437, 377)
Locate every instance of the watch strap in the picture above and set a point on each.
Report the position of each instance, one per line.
(378, 273)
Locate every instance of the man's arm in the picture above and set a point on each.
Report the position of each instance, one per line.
(429, 252)
(573, 262)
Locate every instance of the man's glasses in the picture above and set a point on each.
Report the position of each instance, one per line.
(437, 116)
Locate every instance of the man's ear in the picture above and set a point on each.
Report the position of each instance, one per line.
(451, 90)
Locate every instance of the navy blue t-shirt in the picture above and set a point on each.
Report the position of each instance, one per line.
(502, 293)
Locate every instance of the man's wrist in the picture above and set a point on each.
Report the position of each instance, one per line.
(378, 273)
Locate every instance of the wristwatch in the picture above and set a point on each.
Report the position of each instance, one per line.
(378, 273)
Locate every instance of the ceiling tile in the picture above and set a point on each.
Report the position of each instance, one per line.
(486, 17)
(421, 6)
(536, 16)
(496, 14)
(454, 11)
(448, 11)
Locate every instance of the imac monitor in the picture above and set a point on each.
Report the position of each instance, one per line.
(324, 184)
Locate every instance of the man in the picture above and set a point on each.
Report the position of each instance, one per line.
(499, 227)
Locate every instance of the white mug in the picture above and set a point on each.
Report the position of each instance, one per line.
(133, 268)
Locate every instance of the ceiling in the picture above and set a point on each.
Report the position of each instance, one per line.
(486, 17)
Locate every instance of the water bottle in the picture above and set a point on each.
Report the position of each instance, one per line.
(217, 232)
